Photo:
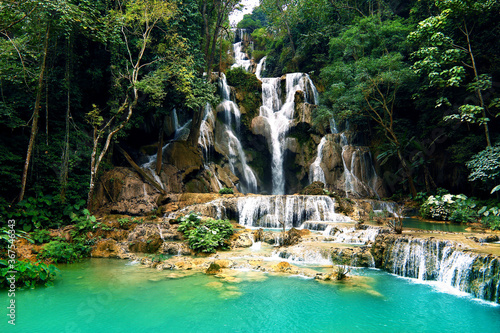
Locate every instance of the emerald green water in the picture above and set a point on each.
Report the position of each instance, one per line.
(103, 295)
(423, 225)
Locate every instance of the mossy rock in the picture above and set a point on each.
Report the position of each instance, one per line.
(213, 269)
(316, 188)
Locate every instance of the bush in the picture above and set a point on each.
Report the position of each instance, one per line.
(445, 207)
(28, 274)
(491, 221)
(491, 217)
(41, 236)
(42, 211)
(226, 190)
(63, 252)
(207, 236)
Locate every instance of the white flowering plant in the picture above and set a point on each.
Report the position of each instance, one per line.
(449, 207)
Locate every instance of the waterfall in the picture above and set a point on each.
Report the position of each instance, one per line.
(272, 211)
(355, 236)
(260, 67)
(360, 177)
(316, 173)
(445, 262)
(206, 139)
(237, 161)
(279, 117)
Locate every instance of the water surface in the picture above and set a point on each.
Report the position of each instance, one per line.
(103, 295)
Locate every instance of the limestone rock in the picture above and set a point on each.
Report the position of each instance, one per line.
(184, 157)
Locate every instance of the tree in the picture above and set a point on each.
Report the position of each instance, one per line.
(485, 167)
(379, 92)
(29, 25)
(365, 79)
(135, 21)
(447, 50)
(282, 13)
(215, 18)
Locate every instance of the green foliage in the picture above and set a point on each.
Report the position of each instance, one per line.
(125, 222)
(28, 274)
(485, 166)
(226, 190)
(63, 252)
(43, 211)
(239, 78)
(449, 207)
(205, 236)
(6, 236)
(41, 236)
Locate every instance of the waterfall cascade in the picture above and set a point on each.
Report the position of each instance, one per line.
(445, 262)
(359, 176)
(272, 211)
(231, 115)
(279, 117)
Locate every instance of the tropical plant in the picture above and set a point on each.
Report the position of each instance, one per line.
(205, 236)
(41, 236)
(449, 207)
(28, 274)
(63, 252)
(226, 190)
(485, 167)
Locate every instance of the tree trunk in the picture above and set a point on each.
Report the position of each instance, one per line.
(144, 175)
(65, 155)
(36, 114)
(478, 92)
(407, 171)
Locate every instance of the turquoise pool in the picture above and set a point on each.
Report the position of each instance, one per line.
(104, 295)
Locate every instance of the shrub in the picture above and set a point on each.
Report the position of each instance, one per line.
(441, 207)
(226, 190)
(63, 252)
(491, 221)
(205, 236)
(41, 236)
(490, 217)
(28, 274)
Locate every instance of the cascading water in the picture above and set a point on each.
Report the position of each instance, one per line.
(360, 177)
(293, 211)
(279, 117)
(260, 67)
(236, 156)
(316, 172)
(445, 262)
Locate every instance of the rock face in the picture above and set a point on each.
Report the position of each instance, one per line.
(122, 191)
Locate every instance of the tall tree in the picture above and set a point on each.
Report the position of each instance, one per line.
(135, 22)
(215, 16)
(448, 51)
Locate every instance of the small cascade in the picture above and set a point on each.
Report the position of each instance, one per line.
(445, 262)
(316, 173)
(237, 160)
(240, 57)
(279, 117)
(256, 246)
(359, 173)
(328, 230)
(206, 139)
(261, 66)
(354, 236)
(302, 255)
(384, 206)
(272, 211)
